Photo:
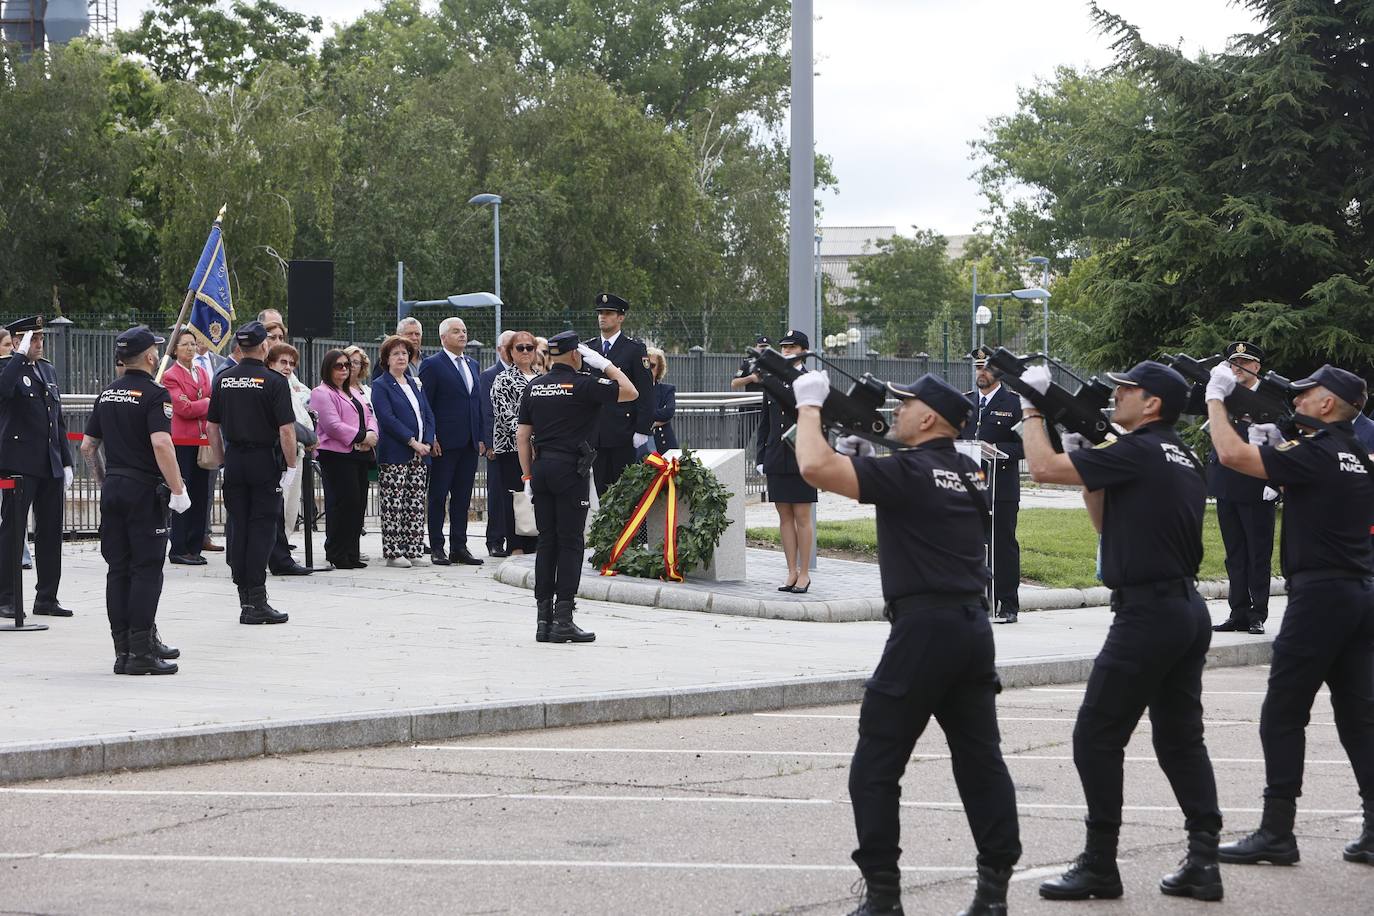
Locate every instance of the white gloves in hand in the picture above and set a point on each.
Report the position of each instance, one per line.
(1038, 377)
(529, 491)
(1270, 494)
(758, 469)
(1221, 384)
(288, 477)
(180, 502)
(1072, 442)
(593, 358)
(855, 446)
(67, 477)
(811, 388)
(24, 343)
(1264, 434)
(639, 439)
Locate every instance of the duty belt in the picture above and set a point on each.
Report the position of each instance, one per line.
(928, 601)
(141, 476)
(1150, 591)
(246, 445)
(1311, 576)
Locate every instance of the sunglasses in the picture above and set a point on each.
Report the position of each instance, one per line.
(525, 348)
(340, 365)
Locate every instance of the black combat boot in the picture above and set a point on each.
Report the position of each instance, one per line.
(990, 894)
(882, 895)
(1362, 850)
(1093, 874)
(121, 644)
(563, 629)
(1198, 877)
(161, 649)
(1272, 842)
(543, 619)
(258, 610)
(141, 658)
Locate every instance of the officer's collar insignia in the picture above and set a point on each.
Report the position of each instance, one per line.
(1104, 443)
(1287, 444)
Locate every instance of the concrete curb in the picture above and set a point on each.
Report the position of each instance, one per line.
(696, 596)
(239, 741)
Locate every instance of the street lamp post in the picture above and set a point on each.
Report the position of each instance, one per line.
(481, 200)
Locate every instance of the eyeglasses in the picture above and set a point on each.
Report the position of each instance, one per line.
(525, 348)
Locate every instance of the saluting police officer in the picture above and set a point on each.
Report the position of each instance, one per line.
(622, 427)
(1327, 633)
(996, 413)
(939, 658)
(252, 431)
(132, 418)
(556, 412)
(33, 443)
(1245, 511)
(1145, 494)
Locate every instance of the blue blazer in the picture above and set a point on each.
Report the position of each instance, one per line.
(457, 413)
(396, 419)
(665, 405)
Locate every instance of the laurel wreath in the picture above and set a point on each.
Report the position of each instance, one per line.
(706, 499)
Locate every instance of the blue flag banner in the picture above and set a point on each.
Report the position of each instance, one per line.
(212, 311)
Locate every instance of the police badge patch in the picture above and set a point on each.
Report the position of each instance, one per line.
(167, 409)
(645, 361)
(1287, 444)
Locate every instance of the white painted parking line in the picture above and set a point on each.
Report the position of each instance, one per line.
(1145, 722)
(1205, 692)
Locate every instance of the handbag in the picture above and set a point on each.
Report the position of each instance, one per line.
(525, 525)
(205, 458)
(306, 436)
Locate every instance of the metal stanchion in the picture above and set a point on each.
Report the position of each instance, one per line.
(307, 500)
(16, 559)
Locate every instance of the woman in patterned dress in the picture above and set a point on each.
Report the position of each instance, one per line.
(506, 392)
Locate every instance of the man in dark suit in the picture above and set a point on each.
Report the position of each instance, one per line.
(996, 413)
(1245, 515)
(451, 383)
(500, 513)
(33, 443)
(622, 428)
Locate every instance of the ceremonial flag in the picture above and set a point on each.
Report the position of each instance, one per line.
(212, 308)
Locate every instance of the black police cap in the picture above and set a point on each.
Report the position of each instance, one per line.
(1344, 384)
(24, 325)
(134, 341)
(762, 340)
(1243, 350)
(980, 356)
(563, 343)
(1160, 381)
(795, 338)
(250, 335)
(610, 302)
(938, 395)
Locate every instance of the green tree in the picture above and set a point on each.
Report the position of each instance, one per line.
(903, 287)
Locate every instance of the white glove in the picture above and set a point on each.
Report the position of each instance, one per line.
(593, 358)
(1038, 377)
(1072, 442)
(1270, 494)
(856, 446)
(639, 439)
(1264, 434)
(288, 477)
(529, 491)
(24, 342)
(1221, 384)
(758, 469)
(811, 388)
(67, 477)
(180, 502)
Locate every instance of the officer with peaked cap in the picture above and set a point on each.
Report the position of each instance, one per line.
(33, 443)
(1245, 510)
(995, 416)
(556, 412)
(1146, 495)
(1327, 633)
(139, 483)
(622, 427)
(252, 429)
(939, 658)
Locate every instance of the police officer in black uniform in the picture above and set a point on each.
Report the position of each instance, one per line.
(33, 443)
(1145, 493)
(556, 412)
(1245, 514)
(139, 483)
(252, 430)
(939, 658)
(1327, 633)
(623, 427)
(996, 413)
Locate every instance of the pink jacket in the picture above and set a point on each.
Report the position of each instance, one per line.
(338, 424)
(188, 416)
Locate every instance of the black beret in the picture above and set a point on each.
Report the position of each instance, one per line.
(1344, 384)
(1245, 350)
(134, 341)
(610, 302)
(1159, 380)
(938, 395)
(563, 343)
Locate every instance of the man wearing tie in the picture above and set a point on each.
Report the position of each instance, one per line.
(451, 385)
(624, 427)
(996, 412)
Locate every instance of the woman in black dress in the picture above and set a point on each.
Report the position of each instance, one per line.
(792, 495)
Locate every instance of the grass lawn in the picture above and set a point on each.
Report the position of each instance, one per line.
(1058, 546)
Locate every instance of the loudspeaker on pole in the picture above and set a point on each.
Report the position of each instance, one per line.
(310, 298)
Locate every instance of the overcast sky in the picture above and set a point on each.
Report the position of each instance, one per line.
(905, 84)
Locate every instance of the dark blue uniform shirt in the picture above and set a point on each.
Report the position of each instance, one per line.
(563, 407)
(125, 416)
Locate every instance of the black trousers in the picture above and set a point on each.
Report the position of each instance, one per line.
(1327, 636)
(188, 528)
(1006, 555)
(1247, 531)
(134, 527)
(561, 500)
(1152, 659)
(937, 662)
(252, 501)
(44, 494)
(500, 525)
(610, 462)
(345, 482)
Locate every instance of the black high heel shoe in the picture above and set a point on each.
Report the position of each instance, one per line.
(785, 588)
(801, 591)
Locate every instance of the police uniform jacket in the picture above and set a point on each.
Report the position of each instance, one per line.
(778, 456)
(33, 431)
(996, 426)
(619, 421)
(1225, 483)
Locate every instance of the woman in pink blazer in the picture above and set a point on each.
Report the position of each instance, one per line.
(348, 433)
(190, 390)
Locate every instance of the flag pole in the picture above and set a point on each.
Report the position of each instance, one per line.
(165, 363)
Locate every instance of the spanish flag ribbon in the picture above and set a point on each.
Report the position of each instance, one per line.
(667, 472)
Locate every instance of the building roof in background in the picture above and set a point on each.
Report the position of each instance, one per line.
(841, 244)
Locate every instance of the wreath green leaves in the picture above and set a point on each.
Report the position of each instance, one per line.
(706, 501)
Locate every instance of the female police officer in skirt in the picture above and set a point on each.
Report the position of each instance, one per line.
(787, 490)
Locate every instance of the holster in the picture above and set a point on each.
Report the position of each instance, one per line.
(586, 455)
